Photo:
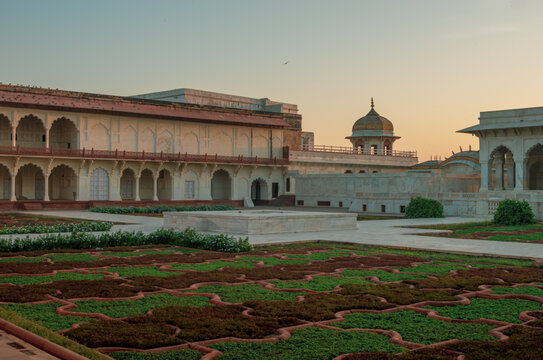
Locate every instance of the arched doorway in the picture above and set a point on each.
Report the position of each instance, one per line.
(29, 183)
(63, 134)
(501, 169)
(164, 185)
(5, 183)
(5, 131)
(99, 184)
(147, 185)
(535, 168)
(259, 191)
(387, 147)
(359, 146)
(63, 183)
(128, 185)
(220, 185)
(30, 132)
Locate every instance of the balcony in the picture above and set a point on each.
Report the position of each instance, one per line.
(349, 150)
(139, 155)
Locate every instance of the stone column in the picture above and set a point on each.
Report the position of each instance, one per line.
(498, 165)
(47, 138)
(13, 136)
(510, 174)
(155, 182)
(484, 175)
(137, 195)
(46, 190)
(519, 174)
(12, 194)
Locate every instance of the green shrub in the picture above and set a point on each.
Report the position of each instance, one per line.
(78, 240)
(56, 228)
(420, 207)
(157, 209)
(514, 212)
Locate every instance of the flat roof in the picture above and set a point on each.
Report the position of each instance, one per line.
(38, 98)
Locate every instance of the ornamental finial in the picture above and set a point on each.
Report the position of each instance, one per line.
(372, 102)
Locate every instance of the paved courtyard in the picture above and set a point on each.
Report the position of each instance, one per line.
(394, 233)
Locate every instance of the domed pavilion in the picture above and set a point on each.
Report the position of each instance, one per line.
(373, 134)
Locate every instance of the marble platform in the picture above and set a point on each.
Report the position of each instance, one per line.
(259, 222)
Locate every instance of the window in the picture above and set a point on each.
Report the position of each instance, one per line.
(364, 207)
(402, 209)
(374, 149)
(383, 208)
(341, 204)
(189, 189)
(287, 185)
(348, 172)
(362, 172)
(323, 203)
(299, 202)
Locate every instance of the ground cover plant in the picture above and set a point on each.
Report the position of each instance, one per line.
(157, 209)
(56, 228)
(159, 293)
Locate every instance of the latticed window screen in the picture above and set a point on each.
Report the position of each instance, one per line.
(189, 189)
(99, 185)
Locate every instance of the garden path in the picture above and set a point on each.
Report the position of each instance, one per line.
(392, 233)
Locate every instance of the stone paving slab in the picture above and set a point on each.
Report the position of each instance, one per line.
(13, 348)
(394, 233)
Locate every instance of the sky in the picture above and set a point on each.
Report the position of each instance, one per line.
(430, 65)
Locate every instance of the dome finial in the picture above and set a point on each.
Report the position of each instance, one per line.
(372, 102)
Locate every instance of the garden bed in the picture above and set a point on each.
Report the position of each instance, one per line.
(162, 302)
(532, 233)
(15, 223)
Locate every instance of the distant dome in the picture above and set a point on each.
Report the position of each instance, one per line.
(373, 121)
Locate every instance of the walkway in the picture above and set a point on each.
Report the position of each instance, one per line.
(394, 233)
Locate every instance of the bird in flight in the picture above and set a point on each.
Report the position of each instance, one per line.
(286, 62)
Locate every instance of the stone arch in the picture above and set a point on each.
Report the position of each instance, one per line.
(5, 131)
(5, 183)
(243, 145)
(100, 137)
(164, 185)
(261, 147)
(165, 142)
(129, 139)
(501, 169)
(220, 143)
(534, 167)
(147, 185)
(221, 185)
(30, 183)
(64, 134)
(30, 132)
(99, 184)
(147, 140)
(387, 147)
(128, 184)
(259, 191)
(62, 183)
(190, 144)
(359, 146)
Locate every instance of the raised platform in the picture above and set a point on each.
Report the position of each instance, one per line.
(259, 222)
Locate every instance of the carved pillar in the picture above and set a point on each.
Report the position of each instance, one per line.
(519, 173)
(12, 194)
(155, 182)
(46, 190)
(13, 136)
(137, 195)
(498, 165)
(484, 175)
(510, 165)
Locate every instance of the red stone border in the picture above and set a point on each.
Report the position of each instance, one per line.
(40, 342)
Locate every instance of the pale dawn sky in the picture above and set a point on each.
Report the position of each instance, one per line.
(431, 65)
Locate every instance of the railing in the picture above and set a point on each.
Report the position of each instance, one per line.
(140, 155)
(350, 150)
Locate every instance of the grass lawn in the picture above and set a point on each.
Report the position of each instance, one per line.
(489, 231)
(168, 314)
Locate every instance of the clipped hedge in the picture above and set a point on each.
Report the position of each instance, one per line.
(420, 207)
(80, 240)
(514, 212)
(157, 209)
(57, 228)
